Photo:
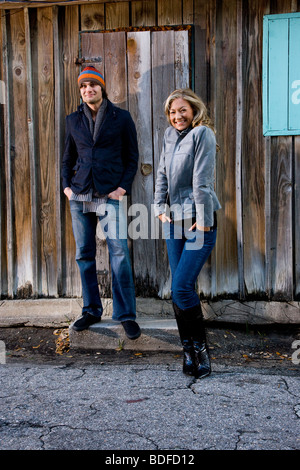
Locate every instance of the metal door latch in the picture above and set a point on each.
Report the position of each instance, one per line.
(84, 60)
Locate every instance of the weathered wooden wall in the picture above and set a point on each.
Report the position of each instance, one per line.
(257, 178)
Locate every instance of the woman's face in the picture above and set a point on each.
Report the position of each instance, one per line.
(181, 114)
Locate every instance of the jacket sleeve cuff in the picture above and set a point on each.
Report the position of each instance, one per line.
(159, 209)
(205, 214)
(65, 184)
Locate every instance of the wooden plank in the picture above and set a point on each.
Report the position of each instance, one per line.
(281, 235)
(254, 155)
(31, 123)
(181, 59)
(204, 69)
(70, 43)
(294, 74)
(239, 136)
(117, 15)
(296, 208)
(267, 173)
(226, 248)
(47, 208)
(103, 265)
(2, 177)
(7, 152)
(92, 46)
(115, 68)
(6, 264)
(32, 129)
(8, 4)
(69, 54)
(187, 11)
(201, 85)
(92, 17)
(281, 219)
(163, 83)
(296, 218)
(267, 152)
(143, 13)
(58, 142)
(207, 279)
(169, 13)
(18, 168)
(211, 58)
(139, 89)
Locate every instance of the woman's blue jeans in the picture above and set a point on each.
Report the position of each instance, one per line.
(114, 228)
(187, 252)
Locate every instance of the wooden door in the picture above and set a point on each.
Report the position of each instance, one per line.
(141, 68)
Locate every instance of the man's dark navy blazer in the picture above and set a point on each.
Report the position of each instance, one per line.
(106, 164)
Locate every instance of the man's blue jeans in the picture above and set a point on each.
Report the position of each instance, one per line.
(187, 252)
(114, 228)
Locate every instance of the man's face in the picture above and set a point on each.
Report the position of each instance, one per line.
(91, 93)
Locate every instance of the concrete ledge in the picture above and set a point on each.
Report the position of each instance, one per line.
(59, 313)
(48, 313)
(253, 313)
(155, 317)
(157, 335)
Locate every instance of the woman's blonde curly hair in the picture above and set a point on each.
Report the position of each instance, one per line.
(200, 111)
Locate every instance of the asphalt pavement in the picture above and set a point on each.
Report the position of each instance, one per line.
(122, 402)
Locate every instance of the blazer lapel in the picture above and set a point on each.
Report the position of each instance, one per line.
(108, 117)
(85, 123)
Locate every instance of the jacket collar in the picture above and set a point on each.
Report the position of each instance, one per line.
(111, 109)
(184, 132)
(111, 113)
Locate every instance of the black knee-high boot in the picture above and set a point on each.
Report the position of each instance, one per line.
(186, 341)
(192, 334)
(201, 353)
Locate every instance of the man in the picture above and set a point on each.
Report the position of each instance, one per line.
(99, 164)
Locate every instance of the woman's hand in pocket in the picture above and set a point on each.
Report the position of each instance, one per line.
(195, 225)
(164, 218)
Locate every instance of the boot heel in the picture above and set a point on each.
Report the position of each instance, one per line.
(188, 358)
(202, 360)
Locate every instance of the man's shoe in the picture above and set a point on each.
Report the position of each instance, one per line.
(131, 329)
(85, 321)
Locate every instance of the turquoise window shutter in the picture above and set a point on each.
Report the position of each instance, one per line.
(281, 75)
(294, 72)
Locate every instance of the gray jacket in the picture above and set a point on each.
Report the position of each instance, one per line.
(185, 175)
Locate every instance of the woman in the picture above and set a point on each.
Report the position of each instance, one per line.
(185, 202)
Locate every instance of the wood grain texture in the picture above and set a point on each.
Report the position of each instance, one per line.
(117, 15)
(3, 260)
(46, 160)
(226, 115)
(70, 50)
(6, 223)
(281, 233)
(140, 103)
(143, 13)
(253, 155)
(92, 17)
